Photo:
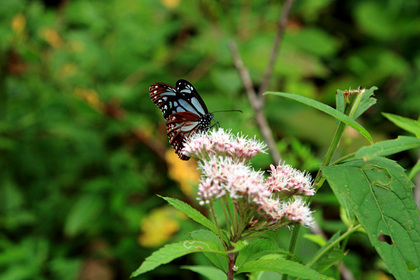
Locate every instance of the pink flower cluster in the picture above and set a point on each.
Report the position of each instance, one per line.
(285, 179)
(222, 175)
(264, 202)
(223, 143)
(294, 211)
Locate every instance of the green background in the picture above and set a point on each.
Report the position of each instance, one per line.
(82, 147)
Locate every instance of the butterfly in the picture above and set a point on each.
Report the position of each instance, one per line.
(184, 111)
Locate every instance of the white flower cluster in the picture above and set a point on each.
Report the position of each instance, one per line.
(268, 202)
(223, 143)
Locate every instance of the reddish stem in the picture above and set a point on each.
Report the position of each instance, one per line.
(232, 260)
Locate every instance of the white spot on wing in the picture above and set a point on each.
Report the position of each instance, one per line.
(197, 105)
(189, 126)
(186, 91)
(187, 107)
(168, 93)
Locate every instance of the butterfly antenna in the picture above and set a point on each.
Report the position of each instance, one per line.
(228, 111)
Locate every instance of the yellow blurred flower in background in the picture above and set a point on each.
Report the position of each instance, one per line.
(183, 172)
(51, 36)
(18, 23)
(171, 4)
(68, 70)
(91, 97)
(77, 46)
(159, 226)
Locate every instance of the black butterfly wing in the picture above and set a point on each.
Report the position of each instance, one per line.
(182, 99)
(165, 97)
(190, 94)
(184, 111)
(180, 127)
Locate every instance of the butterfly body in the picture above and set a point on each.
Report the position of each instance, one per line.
(184, 111)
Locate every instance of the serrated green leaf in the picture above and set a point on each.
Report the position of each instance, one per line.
(170, 252)
(407, 124)
(207, 271)
(379, 193)
(205, 235)
(388, 147)
(191, 212)
(326, 109)
(282, 266)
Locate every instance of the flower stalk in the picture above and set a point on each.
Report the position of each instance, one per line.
(252, 202)
(352, 100)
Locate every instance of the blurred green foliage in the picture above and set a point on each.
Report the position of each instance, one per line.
(83, 147)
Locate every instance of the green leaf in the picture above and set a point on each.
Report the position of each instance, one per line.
(172, 251)
(379, 193)
(207, 271)
(329, 256)
(208, 236)
(365, 101)
(83, 214)
(388, 147)
(322, 44)
(414, 170)
(407, 124)
(257, 249)
(315, 238)
(339, 101)
(281, 266)
(386, 25)
(191, 212)
(238, 246)
(326, 109)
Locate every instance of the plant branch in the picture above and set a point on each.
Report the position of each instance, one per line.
(334, 243)
(255, 102)
(276, 46)
(257, 99)
(216, 223)
(243, 72)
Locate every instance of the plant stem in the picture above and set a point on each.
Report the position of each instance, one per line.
(318, 182)
(232, 260)
(344, 158)
(255, 102)
(216, 223)
(228, 216)
(334, 243)
(281, 26)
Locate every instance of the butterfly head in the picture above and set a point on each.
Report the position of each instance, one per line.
(204, 122)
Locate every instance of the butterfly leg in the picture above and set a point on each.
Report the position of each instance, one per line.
(216, 124)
